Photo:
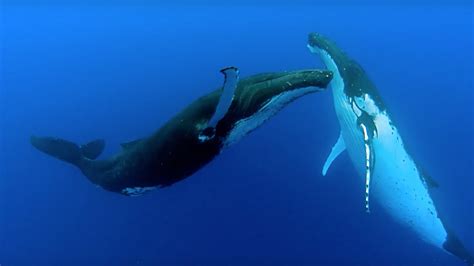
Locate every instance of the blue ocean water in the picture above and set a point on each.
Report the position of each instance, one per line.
(119, 72)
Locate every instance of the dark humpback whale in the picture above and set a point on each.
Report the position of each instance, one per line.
(193, 137)
(376, 149)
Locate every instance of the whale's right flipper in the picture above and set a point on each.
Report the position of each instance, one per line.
(338, 148)
(68, 151)
(231, 79)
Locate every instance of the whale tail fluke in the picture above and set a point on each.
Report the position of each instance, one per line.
(93, 149)
(68, 151)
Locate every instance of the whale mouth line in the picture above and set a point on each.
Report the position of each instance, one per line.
(270, 108)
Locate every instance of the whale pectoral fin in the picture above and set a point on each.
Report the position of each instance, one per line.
(368, 176)
(369, 164)
(337, 149)
(231, 79)
(130, 144)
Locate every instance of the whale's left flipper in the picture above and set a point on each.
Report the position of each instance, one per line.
(338, 148)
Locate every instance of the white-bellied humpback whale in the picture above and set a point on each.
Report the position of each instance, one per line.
(376, 149)
(193, 137)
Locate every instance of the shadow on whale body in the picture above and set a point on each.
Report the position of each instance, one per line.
(190, 139)
(378, 153)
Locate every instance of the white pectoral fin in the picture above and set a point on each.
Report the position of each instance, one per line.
(231, 80)
(339, 147)
(368, 176)
(369, 159)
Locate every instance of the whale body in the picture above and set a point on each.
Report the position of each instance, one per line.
(193, 137)
(373, 142)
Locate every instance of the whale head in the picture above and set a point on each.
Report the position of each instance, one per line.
(350, 79)
(259, 97)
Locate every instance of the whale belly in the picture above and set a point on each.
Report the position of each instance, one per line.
(397, 183)
(399, 186)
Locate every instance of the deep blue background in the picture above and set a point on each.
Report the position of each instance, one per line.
(119, 72)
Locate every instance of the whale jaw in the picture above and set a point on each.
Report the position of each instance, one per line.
(246, 125)
(262, 96)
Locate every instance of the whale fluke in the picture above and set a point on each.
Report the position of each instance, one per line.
(93, 149)
(66, 150)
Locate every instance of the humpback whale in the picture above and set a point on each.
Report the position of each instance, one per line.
(375, 147)
(193, 137)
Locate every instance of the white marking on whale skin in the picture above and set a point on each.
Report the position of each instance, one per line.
(203, 138)
(136, 191)
(397, 183)
(246, 125)
(367, 104)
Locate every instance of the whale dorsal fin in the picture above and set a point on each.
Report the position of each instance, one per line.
(130, 144)
(337, 149)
